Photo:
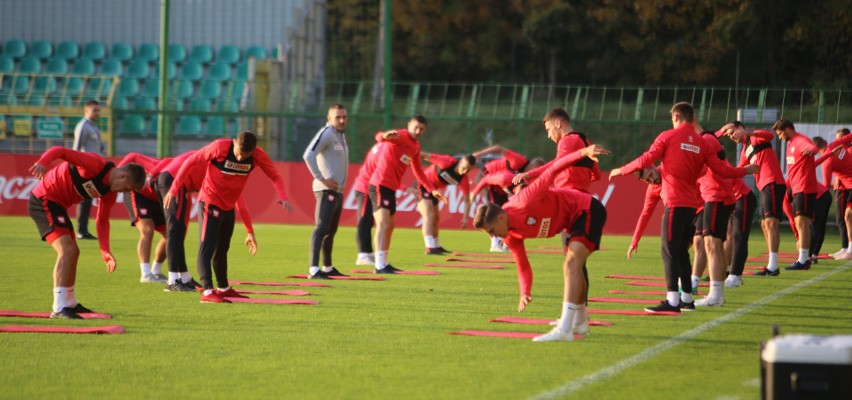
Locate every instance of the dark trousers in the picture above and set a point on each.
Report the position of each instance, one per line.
(327, 216)
(741, 220)
(676, 236)
(216, 227)
(840, 215)
(83, 215)
(823, 206)
(364, 236)
(177, 220)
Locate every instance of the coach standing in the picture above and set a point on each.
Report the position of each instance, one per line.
(327, 157)
(87, 138)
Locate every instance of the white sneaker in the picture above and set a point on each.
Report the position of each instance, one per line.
(838, 253)
(365, 260)
(709, 302)
(845, 256)
(555, 335)
(733, 281)
(150, 278)
(498, 249)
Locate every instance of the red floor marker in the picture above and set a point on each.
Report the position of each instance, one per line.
(658, 284)
(644, 292)
(109, 329)
(532, 321)
(544, 251)
(636, 277)
(478, 260)
(634, 312)
(622, 300)
(514, 335)
(369, 271)
(24, 314)
(474, 266)
(344, 278)
(484, 255)
(271, 301)
(311, 284)
(276, 292)
(755, 267)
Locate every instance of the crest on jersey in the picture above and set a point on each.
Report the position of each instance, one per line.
(531, 221)
(143, 211)
(216, 213)
(330, 197)
(690, 139)
(386, 202)
(61, 219)
(405, 159)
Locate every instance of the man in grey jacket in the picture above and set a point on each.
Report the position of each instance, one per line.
(327, 157)
(87, 138)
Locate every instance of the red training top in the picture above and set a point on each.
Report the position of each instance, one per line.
(801, 171)
(759, 151)
(579, 176)
(442, 173)
(393, 159)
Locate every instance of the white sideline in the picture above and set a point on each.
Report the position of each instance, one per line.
(653, 351)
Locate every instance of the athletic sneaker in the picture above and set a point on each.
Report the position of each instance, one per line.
(365, 260)
(161, 276)
(797, 266)
(65, 313)
(443, 249)
(710, 302)
(844, 256)
(435, 251)
(498, 249)
(86, 235)
(193, 284)
(79, 308)
(733, 281)
(179, 286)
(766, 272)
(388, 269)
(213, 297)
(319, 275)
(555, 335)
(838, 253)
(663, 306)
(149, 278)
(684, 306)
(334, 272)
(230, 293)
(814, 260)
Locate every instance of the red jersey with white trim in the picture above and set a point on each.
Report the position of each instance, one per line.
(362, 182)
(845, 141)
(652, 198)
(683, 154)
(760, 149)
(579, 176)
(714, 188)
(801, 171)
(149, 163)
(395, 157)
(839, 164)
(58, 187)
(511, 161)
(539, 211)
(499, 180)
(442, 173)
(225, 176)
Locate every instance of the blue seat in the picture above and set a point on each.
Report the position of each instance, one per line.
(210, 90)
(257, 52)
(41, 49)
(171, 69)
(242, 70)
(121, 51)
(200, 105)
(177, 53)
(95, 51)
(216, 127)
(231, 105)
(128, 87)
(152, 88)
(148, 52)
(111, 67)
(192, 70)
(30, 65)
(59, 100)
(83, 66)
(20, 85)
(145, 104)
(44, 85)
(34, 100)
(219, 71)
(98, 87)
(56, 66)
(133, 124)
(229, 54)
(120, 103)
(7, 65)
(68, 51)
(189, 126)
(15, 49)
(138, 69)
(201, 53)
(182, 89)
(73, 86)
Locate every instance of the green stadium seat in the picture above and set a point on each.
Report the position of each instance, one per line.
(56, 66)
(133, 124)
(73, 86)
(201, 105)
(171, 68)
(201, 53)
(148, 52)
(41, 49)
(29, 65)
(152, 88)
(256, 52)
(242, 70)
(177, 53)
(34, 100)
(233, 89)
(145, 104)
(59, 100)
(274, 53)
(128, 87)
(44, 85)
(121, 103)
(20, 85)
(192, 70)
(98, 87)
(182, 89)
(83, 66)
(138, 69)
(111, 67)
(175, 104)
(122, 52)
(14, 48)
(216, 126)
(7, 65)
(210, 90)
(229, 54)
(219, 71)
(8, 99)
(95, 51)
(68, 51)
(232, 105)
(189, 126)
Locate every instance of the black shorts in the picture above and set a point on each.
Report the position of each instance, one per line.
(141, 207)
(803, 204)
(49, 217)
(497, 195)
(698, 223)
(384, 198)
(427, 195)
(588, 229)
(772, 200)
(715, 219)
(847, 197)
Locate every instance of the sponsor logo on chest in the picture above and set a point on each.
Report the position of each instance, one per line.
(448, 178)
(791, 160)
(239, 167)
(91, 189)
(544, 228)
(690, 147)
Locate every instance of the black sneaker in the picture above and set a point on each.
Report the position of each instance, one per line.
(766, 272)
(388, 269)
(334, 272)
(664, 306)
(79, 308)
(443, 250)
(434, 251)
(684, 306)
(318, 275)
(814, 260)
(192, 284)
(66, 313)
(86, 235)
(797, 266)
(179, 286)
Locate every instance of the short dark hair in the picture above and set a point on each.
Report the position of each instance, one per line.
(738, 124)
(135, 174)
(470, 159)
(91, 103)
(486, 214)
(247, 141)
(844, 131)
(783, 124)
(684, 112)
(556, 113)
(336, 106)
(420, 118)
(820, 143)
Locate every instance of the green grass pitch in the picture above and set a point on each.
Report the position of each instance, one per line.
(383, 340)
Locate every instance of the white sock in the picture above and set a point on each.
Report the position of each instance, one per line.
(381, 259)
(70, 297)
(185, 277)
(695, 281)
(224, 289)
(848, 249)
(716, 290)
(327, 269)
(156, 268)
(567, 319)
(686, 297)
(673, 298)
(773, 262)
(430, 242)
(313, 270)
(173, 277)
(437, 241)
(59, 298)
(803, 255)
(496, 242)
(580, 317)
(208, 292)
(145, 269)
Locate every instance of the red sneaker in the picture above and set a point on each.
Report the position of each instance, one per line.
(230, 293)
(214, 297)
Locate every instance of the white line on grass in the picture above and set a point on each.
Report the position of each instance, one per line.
(654, 351)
